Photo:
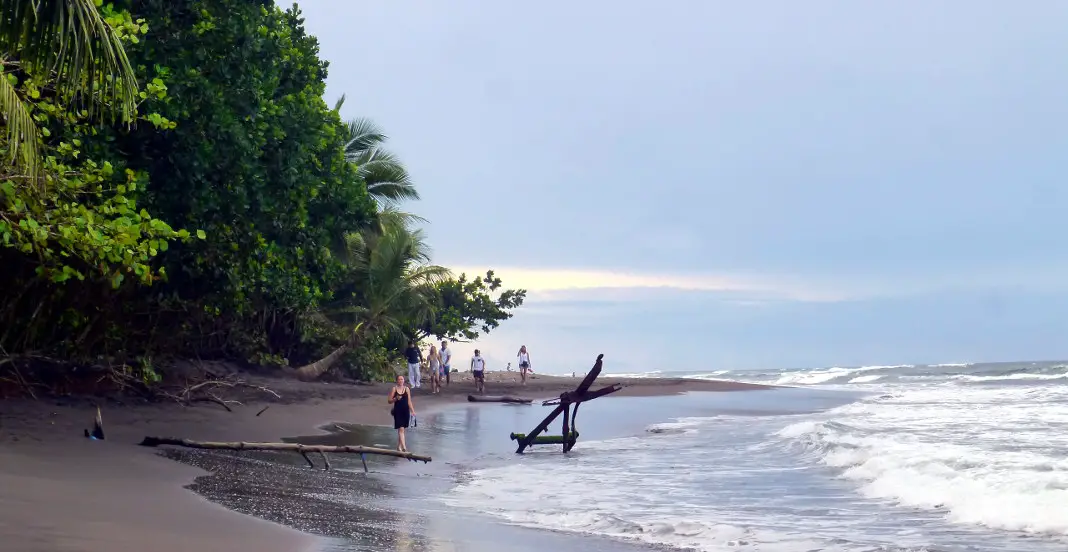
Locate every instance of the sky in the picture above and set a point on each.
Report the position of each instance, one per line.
(732, 185)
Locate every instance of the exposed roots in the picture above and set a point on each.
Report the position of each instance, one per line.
(33, 375)
(203, 392)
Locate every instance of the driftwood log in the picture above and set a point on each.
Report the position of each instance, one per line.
(499, 399)
(569, 433)
(545, 439)
(303, 450)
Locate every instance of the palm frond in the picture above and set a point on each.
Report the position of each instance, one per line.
(71, 39)
(361, 136)
(388, 184)
(23, 137)
(390, 216)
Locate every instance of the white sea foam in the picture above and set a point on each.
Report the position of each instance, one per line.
(949, 458)
(825, 375)
(681, 425)
(650, 501)
(1011, 377)
(635, 375)
(985, 456)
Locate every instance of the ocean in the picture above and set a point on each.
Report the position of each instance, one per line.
(910, 458)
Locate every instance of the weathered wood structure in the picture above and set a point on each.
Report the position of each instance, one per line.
(295, 447)
(499, 399)
(563, 404)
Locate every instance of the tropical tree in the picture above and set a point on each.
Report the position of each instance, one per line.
(387, 180)
(75, 43)
(391, 286)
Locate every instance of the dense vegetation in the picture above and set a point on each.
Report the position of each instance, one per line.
(175, 186)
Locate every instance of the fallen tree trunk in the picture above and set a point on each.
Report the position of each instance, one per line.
(504, 399)
(545, 439)
(294, 447)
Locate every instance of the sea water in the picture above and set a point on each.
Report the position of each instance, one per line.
(883, 458)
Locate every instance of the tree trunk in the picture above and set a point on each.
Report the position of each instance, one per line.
(312, 371)
(149, 441)
(504, 399)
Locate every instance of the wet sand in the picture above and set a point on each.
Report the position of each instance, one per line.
(62, 492)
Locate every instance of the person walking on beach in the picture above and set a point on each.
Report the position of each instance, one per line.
(400, 396)
(478, 370)
(415, 361)
(446, 356)
(524, 363)
(434, 359)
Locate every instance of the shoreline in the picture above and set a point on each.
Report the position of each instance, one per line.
(67, 493)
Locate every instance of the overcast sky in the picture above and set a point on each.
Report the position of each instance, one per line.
(710, 184)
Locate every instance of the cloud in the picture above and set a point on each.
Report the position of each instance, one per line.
(576, 283)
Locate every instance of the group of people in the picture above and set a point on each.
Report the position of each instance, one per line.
(439, 364)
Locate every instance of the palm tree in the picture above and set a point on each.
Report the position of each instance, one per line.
(387, 180)
(67, 39)
(392, 283)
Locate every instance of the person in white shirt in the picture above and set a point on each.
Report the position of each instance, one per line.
(524, 363)
(446, 356)
(478, 369)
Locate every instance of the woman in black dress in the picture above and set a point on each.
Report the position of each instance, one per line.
(400, 396)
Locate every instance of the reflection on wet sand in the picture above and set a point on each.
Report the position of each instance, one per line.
(388, 508)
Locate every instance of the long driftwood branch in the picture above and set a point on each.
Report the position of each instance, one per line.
(504, 399)
(295, 447)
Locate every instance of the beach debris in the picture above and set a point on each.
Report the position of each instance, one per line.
(262, 411)
(98, 427)
(303, 450)
(581, 394)
(203, 392)
(500, 399)
(544, 439)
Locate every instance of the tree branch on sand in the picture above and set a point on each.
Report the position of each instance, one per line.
(199, 392)
(295, 447)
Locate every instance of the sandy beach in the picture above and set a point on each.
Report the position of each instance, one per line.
(62, 492)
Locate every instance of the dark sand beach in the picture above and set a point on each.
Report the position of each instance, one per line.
(62, 492)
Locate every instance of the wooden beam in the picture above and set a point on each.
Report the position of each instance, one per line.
(544, 439)
(567, 430)
(571, 398)
(570, 444)
(504, 399)
(541, 427)
(295, 447)
(592, 375)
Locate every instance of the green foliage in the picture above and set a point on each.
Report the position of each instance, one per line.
(468, 307)
(79, 217)
(77, 45)
(295, 248)
(257, 160)
(387, 180)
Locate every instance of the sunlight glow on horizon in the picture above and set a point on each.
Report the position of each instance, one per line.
(538, 280)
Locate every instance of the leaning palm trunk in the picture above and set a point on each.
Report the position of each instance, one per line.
(312, 371)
